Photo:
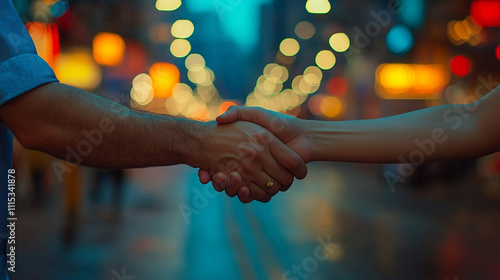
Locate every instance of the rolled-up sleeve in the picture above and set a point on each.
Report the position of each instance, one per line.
(21, 69)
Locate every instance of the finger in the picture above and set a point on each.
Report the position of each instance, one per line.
(234, 184)
(288, 158)
(219, 181)
(204, 176)
(257, 193)
(262, 180)
(235, 180)
(285, 188)
(244, 195)
(230, 116)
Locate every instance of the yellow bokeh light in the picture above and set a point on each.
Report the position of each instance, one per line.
(182, 29)
(108, 48)
(289, 47)
(339, 42)
(305, 30)
(165, 76)
(195, 62)
(168, 5)
(331, 106)
(77, 68)
(325, 60)
(411, 81)
(318, 6)
(180, 47)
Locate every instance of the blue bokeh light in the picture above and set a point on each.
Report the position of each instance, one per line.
(399, 39)
(413, 13)
(239, 19)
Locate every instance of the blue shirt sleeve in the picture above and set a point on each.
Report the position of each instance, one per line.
(21, 69)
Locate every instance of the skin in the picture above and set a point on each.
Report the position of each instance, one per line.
(446, 132)
(56, 118)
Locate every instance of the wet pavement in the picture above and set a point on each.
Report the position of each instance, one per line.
(341, 222)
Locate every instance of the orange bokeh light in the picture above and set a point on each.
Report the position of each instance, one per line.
(108, 49)
(225, 106)
(165, 76)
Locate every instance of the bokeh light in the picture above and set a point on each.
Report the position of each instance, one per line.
(325, 59)
(195, 62)
(165, 76)
(77, 68)
(142, 89)
(168, 5)
(331, 106)
(318, 6)
(180, 47)
(460, 65)
(289, 47)
(410, 81)
(305, 30)
(339, 42)
(337, 86)
(399, 39)
(182, 29)
(497, 52)
(486, 12)
(108, 48)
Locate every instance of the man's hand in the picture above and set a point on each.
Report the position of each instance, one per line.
(290, 130)
(245, 152)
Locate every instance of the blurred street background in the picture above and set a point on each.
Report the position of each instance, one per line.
(315, 59)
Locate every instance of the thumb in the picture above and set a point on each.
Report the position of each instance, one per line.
(230, 116)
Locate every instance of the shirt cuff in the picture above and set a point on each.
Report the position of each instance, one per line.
(23, 73)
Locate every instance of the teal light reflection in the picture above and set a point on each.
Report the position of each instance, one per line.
(240, 19)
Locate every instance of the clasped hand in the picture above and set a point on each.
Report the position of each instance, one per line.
(273, 149)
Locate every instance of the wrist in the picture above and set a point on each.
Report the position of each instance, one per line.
(197, 139)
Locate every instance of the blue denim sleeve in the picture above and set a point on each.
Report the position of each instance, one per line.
(21, 69)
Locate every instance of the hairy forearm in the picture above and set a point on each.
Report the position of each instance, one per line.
(438, 133)
(78, 126)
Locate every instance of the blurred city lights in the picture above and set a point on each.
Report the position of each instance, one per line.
(331, 106)
(289, 47)
(462, 31)
(314, 104)
(486, 12)
(410, 81)
(399, 39)
(77, 68)
(168, 5)
(195, 62)
(337, 86)
(413, 12)
(46, 39)
(108, 48)
(305, 30)
(142, 89)
(460, 65)
(59, 8)
(325, 59)
(497, 52)
(165, 76)
(180, 47)
(318, 6)
(339, 42)
(182, 29)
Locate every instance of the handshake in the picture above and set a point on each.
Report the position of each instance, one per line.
(281, 145)
(274, 150)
